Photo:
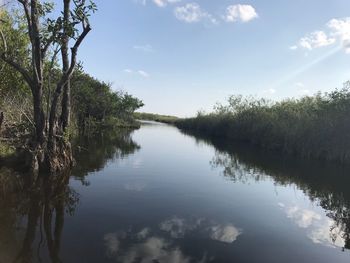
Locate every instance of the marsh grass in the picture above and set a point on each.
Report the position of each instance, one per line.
(311, 127)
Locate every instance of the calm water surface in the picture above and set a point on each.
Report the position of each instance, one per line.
(158, 195)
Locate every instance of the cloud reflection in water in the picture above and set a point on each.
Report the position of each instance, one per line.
(320, 229)
(160, 244)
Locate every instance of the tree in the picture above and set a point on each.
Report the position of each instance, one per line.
(49, 150)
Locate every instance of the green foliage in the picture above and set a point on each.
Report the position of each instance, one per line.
(94, 102)
(15, 33)
(313, 126)
(56, 29)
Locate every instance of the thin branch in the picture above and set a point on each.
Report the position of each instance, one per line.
(47, 45)
(19, 68)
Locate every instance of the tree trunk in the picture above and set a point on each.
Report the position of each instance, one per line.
(59, 153)
(39, 116)
(1, 119)
(66, 108)
(65, 113)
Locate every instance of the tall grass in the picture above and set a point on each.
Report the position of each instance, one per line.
(312, 127)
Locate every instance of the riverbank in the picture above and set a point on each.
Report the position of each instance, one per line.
(13, 144)
(313, 127)
(155, 117)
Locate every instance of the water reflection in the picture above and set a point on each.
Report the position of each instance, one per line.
(32, 217)
(164, 243)
(325, 184)
(319, 230)
(93, 152)
(147, 249)
(33, 210)
(142, 208)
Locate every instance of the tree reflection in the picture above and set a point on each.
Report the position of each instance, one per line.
(93, 152)
(32, 216)
(326, 184)
(33, 210)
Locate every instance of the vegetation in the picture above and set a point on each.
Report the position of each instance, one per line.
(312, 127)
(48, 149)
(96, 105)
(155, 117)
(45, 100)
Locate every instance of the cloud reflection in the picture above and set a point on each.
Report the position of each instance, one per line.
(161, 244)
(226, 233)
(319, 229)
(144, 248)
(178, 227)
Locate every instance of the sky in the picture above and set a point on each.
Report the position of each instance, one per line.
(182, 56)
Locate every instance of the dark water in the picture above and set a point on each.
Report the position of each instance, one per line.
(157, 195)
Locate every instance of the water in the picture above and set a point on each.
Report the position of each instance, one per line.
(158, 195)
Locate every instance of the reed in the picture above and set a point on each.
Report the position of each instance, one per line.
(315, 126)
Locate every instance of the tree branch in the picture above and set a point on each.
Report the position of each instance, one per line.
(19, 68)
(27, 14)
(47, 45)
(74, 50)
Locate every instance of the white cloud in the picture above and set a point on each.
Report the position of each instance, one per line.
(129, 71)
(336, 30)
(294, 47)
(159, 3)
(192, 13)
(143, 73)
(162, 3)
(341, 28)
(242, 13)
(144, 48)
(315, 40)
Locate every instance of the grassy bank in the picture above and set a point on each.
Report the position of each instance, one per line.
(155, 117)
(311, 127)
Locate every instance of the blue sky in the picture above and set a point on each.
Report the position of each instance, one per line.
(182, 56)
